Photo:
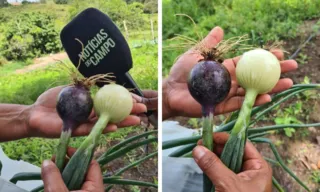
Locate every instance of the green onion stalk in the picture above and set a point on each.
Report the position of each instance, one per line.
(257, 71)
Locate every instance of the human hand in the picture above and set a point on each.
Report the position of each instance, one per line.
(53, 181)
(44, 121)
(177, 100)
(255, 176)
(150, 99)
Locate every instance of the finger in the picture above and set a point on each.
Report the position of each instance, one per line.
(150, 93)
(151, 103)
(282, 85)
(71, 151)
(131, 120)
(213, 38)
(212, 166)
(278, 53)
(94, 180)
(252, 159)
(85, 129)
(138, 108)
(236, 102)
(219, 138)
(51, 177)
(288, 65)
(250, 152)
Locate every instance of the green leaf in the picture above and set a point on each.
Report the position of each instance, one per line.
(107, 180)
(278, 157)
(25, 177)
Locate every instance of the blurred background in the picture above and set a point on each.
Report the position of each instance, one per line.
(30, 50)
(293, 23)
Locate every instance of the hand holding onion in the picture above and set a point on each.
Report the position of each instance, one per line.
(43, 113)
(177, 100)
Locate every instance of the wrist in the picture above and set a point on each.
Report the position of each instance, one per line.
(26, 115)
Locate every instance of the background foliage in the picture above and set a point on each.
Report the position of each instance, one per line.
(274, 19)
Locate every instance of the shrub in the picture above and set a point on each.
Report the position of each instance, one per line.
(3, 3)
(117, 10)
(30, 35)
(150, 6)
(61, 1)
(24, 2)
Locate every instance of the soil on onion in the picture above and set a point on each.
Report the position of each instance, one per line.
(301, 152)
(146, 171)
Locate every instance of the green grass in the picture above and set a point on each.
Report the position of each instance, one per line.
(10, 67)
(59, 11)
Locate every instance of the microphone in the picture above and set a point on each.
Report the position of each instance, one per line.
(105, 50)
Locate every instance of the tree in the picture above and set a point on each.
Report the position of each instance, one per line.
(117, 10)
(61, 1)
(150, 6)
(29, 35)
(3, 3)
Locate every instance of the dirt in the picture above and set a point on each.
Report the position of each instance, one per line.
(146, 171)
(309, 57)
(43, 62)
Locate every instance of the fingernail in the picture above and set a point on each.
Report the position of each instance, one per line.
(199, 152)
(46, 163)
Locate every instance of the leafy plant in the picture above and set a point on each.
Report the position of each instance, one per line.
(278, 20)
(288, 116)
(315, 176)
(30, 35)
(61, 1)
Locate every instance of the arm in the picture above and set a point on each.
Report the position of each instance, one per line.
(13, 121)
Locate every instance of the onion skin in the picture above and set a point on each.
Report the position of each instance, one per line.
(74, 106)
(114, 100)
(209, 83)
(259, 70)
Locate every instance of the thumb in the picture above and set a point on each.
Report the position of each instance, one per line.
(213, 167)
(52, 178)
(213, 38)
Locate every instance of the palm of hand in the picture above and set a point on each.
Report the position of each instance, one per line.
(178, 99)
(44, 119)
